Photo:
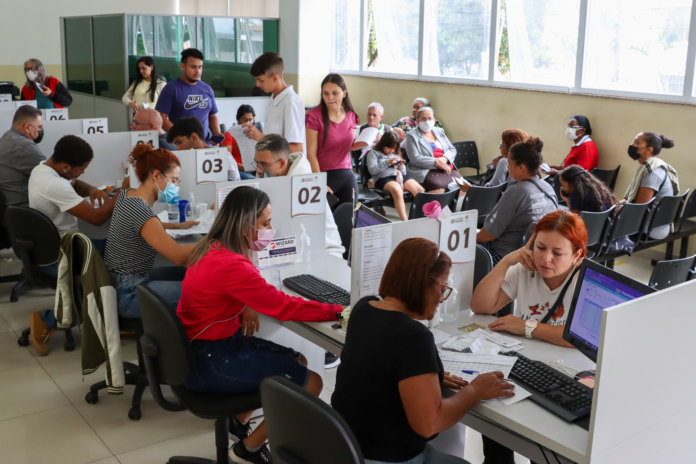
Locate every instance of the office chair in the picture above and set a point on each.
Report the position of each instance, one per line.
(630, 220)
(666, 212)
(596, 225)
(607, 176)
(169, 360)
(5, 238)
(445, 199)
(483, 200)
(36, 241)
(683, 228)
(302, 429)
(483, 264)
(467, 157)
(670, 273)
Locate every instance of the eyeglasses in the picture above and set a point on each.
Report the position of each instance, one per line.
(575, 127)
(446, 290)
(246, 120)
(265, 165)
(135, 123)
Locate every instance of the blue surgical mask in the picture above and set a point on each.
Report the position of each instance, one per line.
(169, 193)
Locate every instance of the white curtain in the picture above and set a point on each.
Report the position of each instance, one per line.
(521, 60)
(431, 56)
(396, 28)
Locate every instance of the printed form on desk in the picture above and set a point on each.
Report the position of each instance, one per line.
(484, 342)
(455, 363)
(206, 222)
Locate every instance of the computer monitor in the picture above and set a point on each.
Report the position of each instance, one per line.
(597, 288)
(365, 217)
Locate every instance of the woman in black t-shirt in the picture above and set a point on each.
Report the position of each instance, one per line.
(584, 192)
(393, 402)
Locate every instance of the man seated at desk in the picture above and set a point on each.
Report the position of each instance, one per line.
(150, 120)
(273, 159)
(187, 134)
(55, 191)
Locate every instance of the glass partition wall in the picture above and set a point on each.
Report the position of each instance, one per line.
(102, 51)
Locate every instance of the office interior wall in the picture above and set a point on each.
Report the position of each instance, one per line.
(243, 8)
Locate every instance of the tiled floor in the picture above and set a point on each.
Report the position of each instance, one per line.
(45, 419)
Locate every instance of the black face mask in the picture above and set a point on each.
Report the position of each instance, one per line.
(39, 138)
(564, 193)
(633, 152)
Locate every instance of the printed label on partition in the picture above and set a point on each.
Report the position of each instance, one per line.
(26, 102)
(95, 126)
(5, 97)
(222, 193)
(149, 137)
(279, 251)
(212, 165)
(55, 114)
(308, 195)
(458, 237)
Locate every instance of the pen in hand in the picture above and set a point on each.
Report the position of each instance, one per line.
(471, 372)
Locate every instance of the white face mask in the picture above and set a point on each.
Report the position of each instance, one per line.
(31, 75)
(570, 134)
(426, 126)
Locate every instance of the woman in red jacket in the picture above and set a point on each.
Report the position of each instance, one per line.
(220, 283)
(51, 93)
(584, 151)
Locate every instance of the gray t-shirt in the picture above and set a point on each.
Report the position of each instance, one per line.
(19, 155)
(501, 174)
(660, 183)
(520, 205)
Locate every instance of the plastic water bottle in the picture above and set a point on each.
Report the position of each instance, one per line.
(449, 309)
(304, 246)
(173, 210)
(192, 210)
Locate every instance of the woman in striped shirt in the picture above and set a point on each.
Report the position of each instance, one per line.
(136, 235)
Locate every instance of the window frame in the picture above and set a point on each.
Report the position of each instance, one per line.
(687, 96)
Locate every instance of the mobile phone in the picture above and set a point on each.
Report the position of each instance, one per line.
(217, 139)
(332, 199)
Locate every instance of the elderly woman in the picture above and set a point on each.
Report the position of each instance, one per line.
(430, 154)
(407, 123)
(48, 91)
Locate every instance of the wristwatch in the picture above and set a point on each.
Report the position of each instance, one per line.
(529, 327)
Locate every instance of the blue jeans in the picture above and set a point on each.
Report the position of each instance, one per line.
(165, 281)
(429, 456)
(245, 175)
(238, 364)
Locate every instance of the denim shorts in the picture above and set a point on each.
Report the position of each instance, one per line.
(127, 294)
(238, 364)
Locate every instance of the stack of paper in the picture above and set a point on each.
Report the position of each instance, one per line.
(205, 223)
(455, 363)
(483, 342)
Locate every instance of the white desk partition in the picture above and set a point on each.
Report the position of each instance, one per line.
(426, 228)
(279, 190)
(644, 408)
(110, 150)
(55, 130)
(13, 105)
(227, 108)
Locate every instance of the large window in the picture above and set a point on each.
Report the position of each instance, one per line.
(637, 45)
(632, 48)
(109, 56)
(78, 45)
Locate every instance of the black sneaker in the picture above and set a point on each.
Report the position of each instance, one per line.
(331, 360)
(238, 431)
(239, 454)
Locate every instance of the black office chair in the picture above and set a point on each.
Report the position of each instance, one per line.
(295, 419)
(36, 241)
(630, 220)
(683, 229)
(607, 176)
(169, 360)
(665, 212)
(596, 225)
(556, 184)
(670, 273)
(343, 216)
(482, 199)
(354, 158)
(527, 235)
(483, 264)
(445, 199)
(467, 157)
(366, 195)
(5, 238)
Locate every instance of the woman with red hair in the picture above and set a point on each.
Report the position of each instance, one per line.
(542, 280)
(508, 139)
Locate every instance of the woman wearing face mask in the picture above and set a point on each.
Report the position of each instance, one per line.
(220, 282)
(48, 91)
(136, 235)
(584, 153)
(584, 192)
(543, 282)
(508, 139)
(431, 154)
(408, 123)
(146, 88)
(654, 177)
(330, 129)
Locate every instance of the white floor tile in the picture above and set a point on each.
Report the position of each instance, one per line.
(16, 315)
(28, 390)
(58, 436)
(111, 460)
(200, 443)
(637, 268)
(14, 356)
(109, 418)
(4, 326)
(473, 449)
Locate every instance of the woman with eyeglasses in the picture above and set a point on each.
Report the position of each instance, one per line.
(136, 234)
(405, 380)
(584, 152)
(508, 139)
(145, 88)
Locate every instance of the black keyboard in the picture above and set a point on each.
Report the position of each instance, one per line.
(557, 392)
(317, 289)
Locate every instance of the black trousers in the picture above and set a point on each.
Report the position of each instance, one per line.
(343, 184)
(495, 453)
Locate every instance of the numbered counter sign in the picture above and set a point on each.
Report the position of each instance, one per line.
(308, 195)
(212, 165)
(25, 102)
(56, 114)
(458, 236)
(5, 97)
(149, 137)
(95, 126)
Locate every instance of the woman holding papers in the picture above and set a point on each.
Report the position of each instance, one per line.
(220, 283)
(393, 402)
(136, 235)
(245, 115)
(387, 169)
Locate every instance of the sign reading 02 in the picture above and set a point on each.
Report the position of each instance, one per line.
(457, 238)
(308, 195)
(212, 165)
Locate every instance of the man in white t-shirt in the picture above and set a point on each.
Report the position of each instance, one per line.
(286, 115)
(55, 191)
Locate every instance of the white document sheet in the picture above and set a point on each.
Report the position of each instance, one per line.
(223, 192)
(376, 249)
(520, 394)
(368, 135)
(206, 222)
(247, 147)
(455, 363)
(482, 346)
(440, 336)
